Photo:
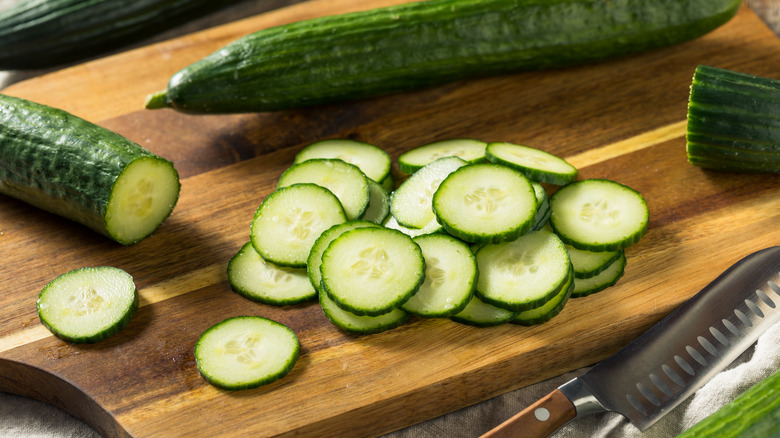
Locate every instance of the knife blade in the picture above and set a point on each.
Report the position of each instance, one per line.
(665, 365)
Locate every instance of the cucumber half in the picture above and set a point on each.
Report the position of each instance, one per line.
(245, 352)
(87, 305)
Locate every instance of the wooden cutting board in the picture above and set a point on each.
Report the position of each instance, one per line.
(623, 120)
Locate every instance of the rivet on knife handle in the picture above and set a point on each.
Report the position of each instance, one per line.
(538, 420)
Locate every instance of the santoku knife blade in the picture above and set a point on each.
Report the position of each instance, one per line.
(668, 363)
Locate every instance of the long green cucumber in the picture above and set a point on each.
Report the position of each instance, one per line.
(733, 121)
(44, 33)
(76, 169)
(753, 414)
(414, 45)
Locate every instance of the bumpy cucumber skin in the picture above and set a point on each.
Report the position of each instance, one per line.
(753, 414)
(44, 33)
(732, 121)
(415, 45)
(61, 163)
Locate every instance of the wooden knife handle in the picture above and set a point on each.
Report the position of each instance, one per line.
(540, 419)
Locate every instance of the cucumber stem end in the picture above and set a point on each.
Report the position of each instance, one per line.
(157, 100)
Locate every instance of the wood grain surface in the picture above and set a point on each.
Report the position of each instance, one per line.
(623, 119)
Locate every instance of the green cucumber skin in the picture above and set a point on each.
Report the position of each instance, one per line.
(61, 163)
(421, 44)
(732, 121)
(753, 414)
(44, 33)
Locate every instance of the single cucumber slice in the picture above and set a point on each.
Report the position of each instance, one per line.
(378, 208)
(259, 280)
(524, 273)
(314, 260)
(485, 203)
(599, 215)
(388, 183)
(410, 204)
(87, 305)
(472, 151)
(371, 271)
(450, 277)
(543, 210)
(589, 263)
(290, 219)
(536, 164)
(373, 161)
(606, 278)
(432, 227)
(345, 180)
(352, 323)
(245, 352)
(548, 310)
(481, 314)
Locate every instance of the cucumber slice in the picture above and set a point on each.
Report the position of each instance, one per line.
(606, 278)
(548, 310)
(378, 208)
(481, 314)
(524, 273)
(371, 271)
(536, 164)
(245, 352)
(472, 151)
(352, 323)
(345, 180)
(485, 203)
(599, 215)
(290, 219)
(87, 305)
(450, 277)
(259, 280)
(410, 204)
(432, 227)
(371, 160)
(543, 211)
(314, 260)
(589, 263)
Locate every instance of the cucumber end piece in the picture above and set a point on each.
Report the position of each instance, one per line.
(157, 100)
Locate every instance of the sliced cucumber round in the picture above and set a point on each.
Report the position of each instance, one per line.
(548, 310)
(290, 220)
(371, 271)
(481, 314)
(536, 164)
(450, 277)
(485, 203)
(589, 263)
(314, 260)
(542, 207)
(410, 204)
(87, 305)
(245, 352)
(524, 273)
(597, 283)
(470, 150)
(373, 161)
(352, 323)
(378, 208)
(259, 280)
(345, 180)
(598, 215)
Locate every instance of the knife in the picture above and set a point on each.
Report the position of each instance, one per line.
(669, 362)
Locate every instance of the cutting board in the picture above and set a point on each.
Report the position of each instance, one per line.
(622, 119)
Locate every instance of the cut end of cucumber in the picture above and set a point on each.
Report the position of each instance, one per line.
(157, 100)
(87, 305)
(143, 196)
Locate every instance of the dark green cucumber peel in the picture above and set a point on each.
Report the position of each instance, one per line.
(733, 121)
(415, 45)
(68, 166)
(44, 33)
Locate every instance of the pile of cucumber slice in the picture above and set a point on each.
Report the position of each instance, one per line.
(471, 234)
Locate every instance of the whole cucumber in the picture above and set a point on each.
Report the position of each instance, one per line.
(422, 44)
(66, 165)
